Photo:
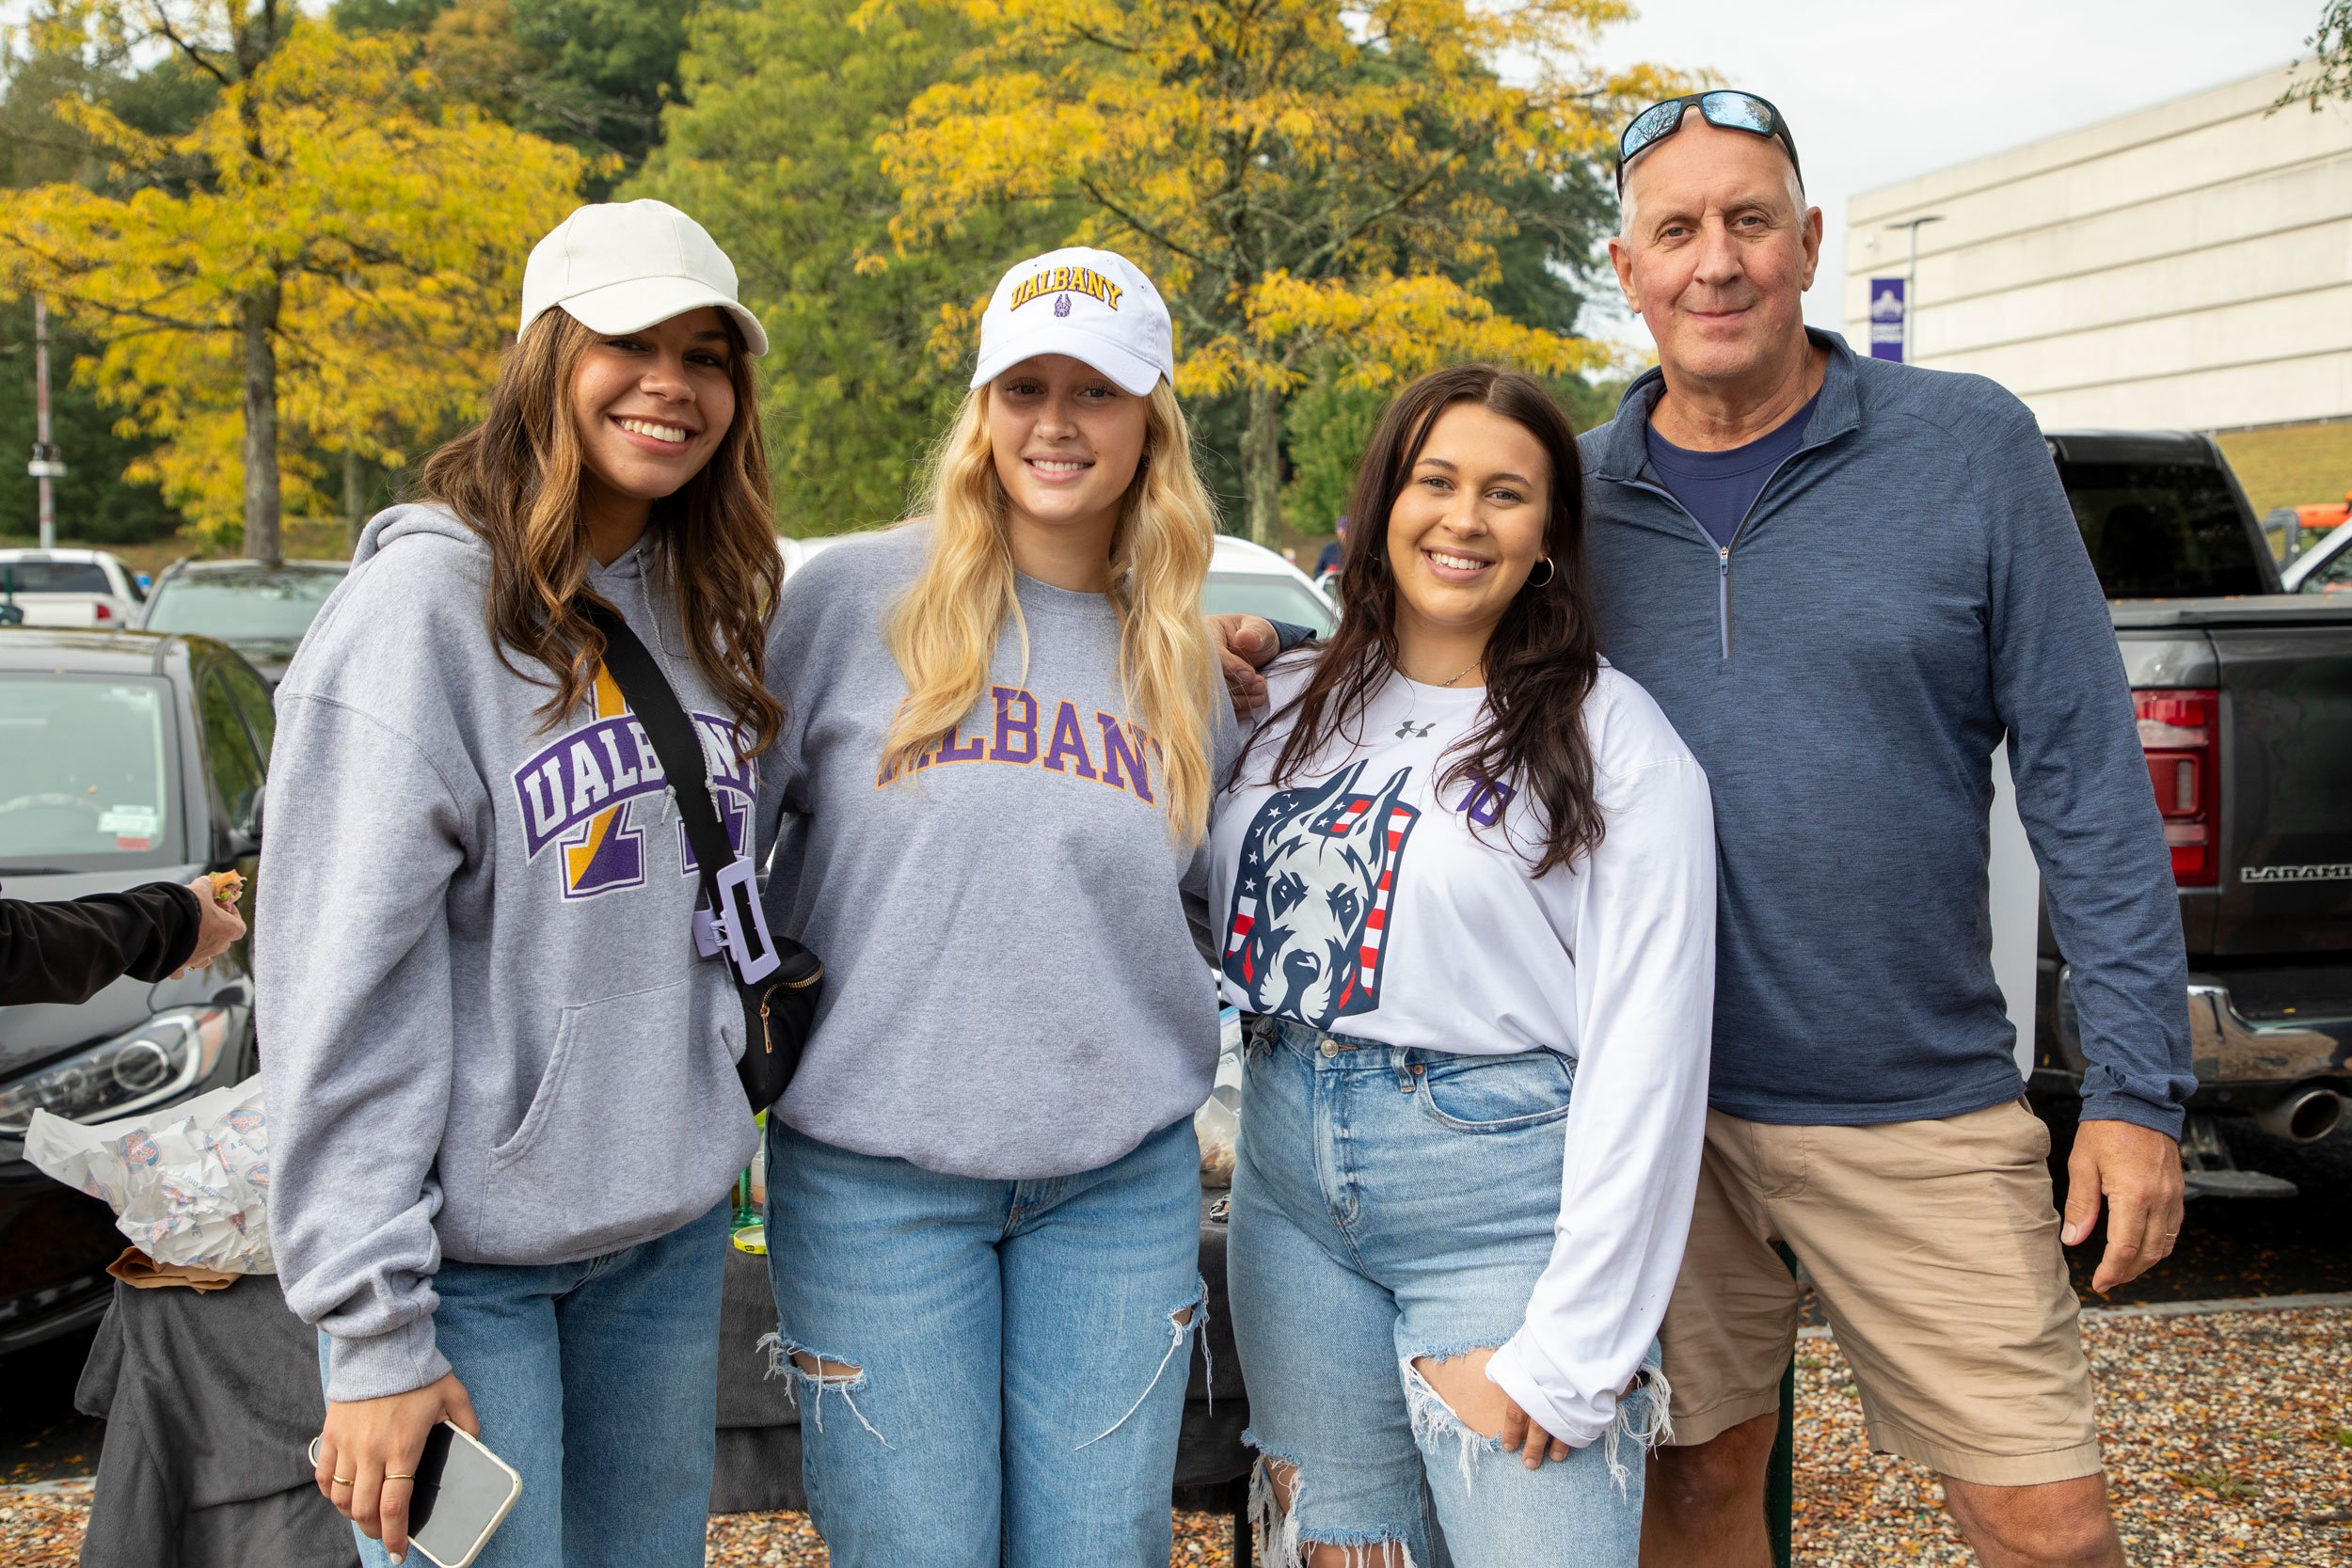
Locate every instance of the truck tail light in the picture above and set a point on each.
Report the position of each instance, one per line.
(2179, 731)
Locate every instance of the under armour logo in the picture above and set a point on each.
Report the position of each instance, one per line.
(1407, 730)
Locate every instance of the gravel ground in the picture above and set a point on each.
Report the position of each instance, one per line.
(2229, 1443)
(2228, 1436)
(40, 1525)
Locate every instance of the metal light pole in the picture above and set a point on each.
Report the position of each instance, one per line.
(45, 467)
(1911, 276)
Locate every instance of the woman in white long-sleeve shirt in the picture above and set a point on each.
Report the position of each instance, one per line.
(1468, 878)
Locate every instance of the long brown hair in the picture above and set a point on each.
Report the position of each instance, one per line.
(1543, 657)
(516, 481)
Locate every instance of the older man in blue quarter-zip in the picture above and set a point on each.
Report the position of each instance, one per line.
(1843, 657)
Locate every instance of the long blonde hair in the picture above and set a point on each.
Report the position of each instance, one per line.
(944, 632)
(515, 480)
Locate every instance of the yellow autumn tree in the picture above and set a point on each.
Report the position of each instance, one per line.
(327, 259)
(1305, 179)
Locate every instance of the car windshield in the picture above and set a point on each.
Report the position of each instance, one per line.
(54, 577)
(1264, 593)
(246, 606)
(2162, 530)
(85, 773)
(2333, 576)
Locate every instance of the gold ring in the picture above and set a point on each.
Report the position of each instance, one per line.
(342, 1480)
(400, 1475)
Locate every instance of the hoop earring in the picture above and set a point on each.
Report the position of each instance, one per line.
(1550, 572)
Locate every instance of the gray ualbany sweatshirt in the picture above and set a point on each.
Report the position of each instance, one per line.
(487, 1036)
(1014, 985)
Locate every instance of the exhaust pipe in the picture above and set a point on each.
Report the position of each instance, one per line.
(2304, 1117)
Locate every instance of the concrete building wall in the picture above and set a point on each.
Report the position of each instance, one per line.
(2189, 265)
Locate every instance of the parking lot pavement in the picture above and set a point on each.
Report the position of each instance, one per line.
(42, 1437)
(2250, 1246)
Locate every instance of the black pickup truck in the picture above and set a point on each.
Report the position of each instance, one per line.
(2245, 702)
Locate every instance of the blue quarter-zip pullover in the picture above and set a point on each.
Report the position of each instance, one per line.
(1907, 590)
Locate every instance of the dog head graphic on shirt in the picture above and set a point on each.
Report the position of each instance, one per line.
(1311, 902)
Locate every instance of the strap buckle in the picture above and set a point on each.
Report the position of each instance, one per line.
(738, 927)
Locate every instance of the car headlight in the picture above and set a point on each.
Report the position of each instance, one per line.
(153, 1062)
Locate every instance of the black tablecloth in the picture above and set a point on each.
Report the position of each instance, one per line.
(209, 1401)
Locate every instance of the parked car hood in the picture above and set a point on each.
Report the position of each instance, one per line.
(38, 1031)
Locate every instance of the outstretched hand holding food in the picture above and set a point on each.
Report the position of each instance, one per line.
(222, 924)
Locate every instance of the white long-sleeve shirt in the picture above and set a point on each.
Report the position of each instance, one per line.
(1449, 944)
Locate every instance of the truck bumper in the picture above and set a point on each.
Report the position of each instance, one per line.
(2241, 1065)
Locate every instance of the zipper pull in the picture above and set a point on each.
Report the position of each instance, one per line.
(1722, 598)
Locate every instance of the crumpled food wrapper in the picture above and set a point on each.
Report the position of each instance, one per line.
(188, 1183)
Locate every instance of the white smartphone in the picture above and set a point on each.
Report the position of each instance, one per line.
(463, 1494)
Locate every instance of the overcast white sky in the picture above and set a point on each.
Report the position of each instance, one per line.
(1881, 90)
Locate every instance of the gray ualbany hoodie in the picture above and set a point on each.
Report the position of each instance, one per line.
(487, 1033)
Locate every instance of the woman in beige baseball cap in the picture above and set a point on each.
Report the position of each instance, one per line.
(503, 1105)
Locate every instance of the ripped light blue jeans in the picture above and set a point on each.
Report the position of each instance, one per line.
(1016, 1352)
(1390, 1205)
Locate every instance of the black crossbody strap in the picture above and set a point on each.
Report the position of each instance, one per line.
(777, 1012)
(656, 706)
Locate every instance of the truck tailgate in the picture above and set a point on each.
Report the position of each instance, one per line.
(2285, 665)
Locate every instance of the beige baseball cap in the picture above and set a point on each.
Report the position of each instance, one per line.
(1095, 305)
(620, 267)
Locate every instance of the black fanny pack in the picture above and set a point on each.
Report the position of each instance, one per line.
(777, 978)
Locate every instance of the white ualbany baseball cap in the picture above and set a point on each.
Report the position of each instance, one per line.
(1094, 306)
(620, 267)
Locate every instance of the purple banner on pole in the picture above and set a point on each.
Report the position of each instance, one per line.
(1886, 317)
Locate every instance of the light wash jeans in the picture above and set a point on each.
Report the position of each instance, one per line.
(598, 1381)
(1021, 1351)
(1387, 1204)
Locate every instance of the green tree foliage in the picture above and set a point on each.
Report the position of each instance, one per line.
(47, 64)
(1326, 426)
(593, 75)
(1309, 182)
(95, 503)
(773, 151)
(1545, 270)
(329, 253)
(2331, 75)
(385, 16)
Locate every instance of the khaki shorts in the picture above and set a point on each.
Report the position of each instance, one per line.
(1935, 1245)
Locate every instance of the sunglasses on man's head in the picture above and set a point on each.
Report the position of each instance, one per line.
(1724, 107)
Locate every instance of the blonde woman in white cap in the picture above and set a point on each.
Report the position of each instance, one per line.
(1006, 726)
(504, 1113)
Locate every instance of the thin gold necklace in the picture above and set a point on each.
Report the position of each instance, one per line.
(1466, 669)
